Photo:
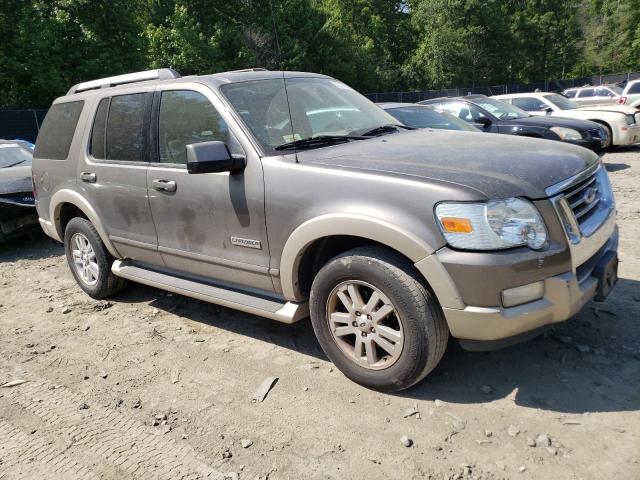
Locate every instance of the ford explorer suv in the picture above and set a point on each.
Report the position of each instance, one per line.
(289, 195)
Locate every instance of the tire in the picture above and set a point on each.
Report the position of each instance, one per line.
(101, 282)
(416, 319)
(609, 134)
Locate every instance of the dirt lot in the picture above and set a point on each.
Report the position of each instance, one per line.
(153, 385)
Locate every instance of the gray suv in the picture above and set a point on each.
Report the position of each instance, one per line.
(289, 195)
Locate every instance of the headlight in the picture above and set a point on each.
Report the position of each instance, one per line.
(631, 119)
(493, 225)
(567, 133)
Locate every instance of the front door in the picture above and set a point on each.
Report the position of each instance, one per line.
(113, 175)
(209, 225)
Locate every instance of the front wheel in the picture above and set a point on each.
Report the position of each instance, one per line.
(375, 320)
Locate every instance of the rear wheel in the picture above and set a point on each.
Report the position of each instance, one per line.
(375, 320)
(89, 260)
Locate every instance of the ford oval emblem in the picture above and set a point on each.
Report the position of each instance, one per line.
(590, 195)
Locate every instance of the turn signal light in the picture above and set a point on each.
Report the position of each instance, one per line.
(456, 225)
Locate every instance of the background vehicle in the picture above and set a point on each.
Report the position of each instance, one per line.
(222, 188)
(602, 95)
(424, 116)
(494, 116)
(17, 212)
(630, 96)
(621, 123)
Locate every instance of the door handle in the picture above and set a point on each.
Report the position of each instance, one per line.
(88, 177)
(165, 185)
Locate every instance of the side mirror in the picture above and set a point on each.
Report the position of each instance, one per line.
(484, 121)
(212, 157)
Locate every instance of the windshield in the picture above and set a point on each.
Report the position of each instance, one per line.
(563, 103)
(12, 155)
(503, 111)
(319, 107)
(426, 117)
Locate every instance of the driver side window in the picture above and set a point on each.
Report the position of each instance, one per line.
(187, 117)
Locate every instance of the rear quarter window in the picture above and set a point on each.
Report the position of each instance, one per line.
(55, 135)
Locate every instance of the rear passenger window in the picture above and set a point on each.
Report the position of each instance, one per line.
(187, 117)
(125, 127)
(570, 94)
(98, 131)
(56, 133)
(587, 92)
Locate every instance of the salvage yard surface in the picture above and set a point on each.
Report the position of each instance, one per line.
(154, 385)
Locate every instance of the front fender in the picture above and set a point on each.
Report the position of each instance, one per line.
(70, 196)
(350, 224)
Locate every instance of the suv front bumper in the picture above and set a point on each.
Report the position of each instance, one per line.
(565, 294)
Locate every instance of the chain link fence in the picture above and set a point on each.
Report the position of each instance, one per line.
(546, 86)
(21, 124)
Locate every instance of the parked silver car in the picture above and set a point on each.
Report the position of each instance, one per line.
(17, 212)
(587, 96)
(285, 194)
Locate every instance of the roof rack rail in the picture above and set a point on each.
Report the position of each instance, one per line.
(257, 69)
(157, 74)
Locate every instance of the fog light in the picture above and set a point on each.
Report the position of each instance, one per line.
(524, 294)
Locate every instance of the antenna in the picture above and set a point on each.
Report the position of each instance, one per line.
(284, 80)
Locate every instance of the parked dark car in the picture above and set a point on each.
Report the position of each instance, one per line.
(17, 204)
(425, 116)
(494, 116)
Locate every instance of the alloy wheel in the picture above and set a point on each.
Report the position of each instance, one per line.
(365, 325)
(84, 259)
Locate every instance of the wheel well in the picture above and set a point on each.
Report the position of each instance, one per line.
(324, 249)
(602, 122)
(68, 211)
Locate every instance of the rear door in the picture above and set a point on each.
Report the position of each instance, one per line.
(114, 174)
(209, 225)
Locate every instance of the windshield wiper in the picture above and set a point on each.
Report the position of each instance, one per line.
(319, 141)
(383, 129)
(14, 164)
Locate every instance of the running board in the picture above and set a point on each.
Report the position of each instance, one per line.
(282, 311)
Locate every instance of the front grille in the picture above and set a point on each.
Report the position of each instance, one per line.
(583, 198)
(597, 133)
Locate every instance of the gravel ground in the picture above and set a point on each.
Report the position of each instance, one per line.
(154, 385)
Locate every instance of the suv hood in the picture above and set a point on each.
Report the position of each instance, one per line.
(497, 166)
(548, 122)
